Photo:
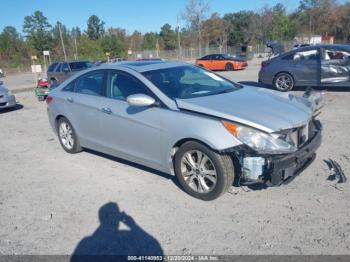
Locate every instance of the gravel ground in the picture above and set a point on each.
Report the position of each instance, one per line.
(50, 200)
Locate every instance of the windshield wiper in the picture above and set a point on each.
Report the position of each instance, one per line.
(229, 90)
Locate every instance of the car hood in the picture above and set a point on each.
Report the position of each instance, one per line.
(260, 108)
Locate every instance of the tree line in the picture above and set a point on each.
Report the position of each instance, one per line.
(202, 29)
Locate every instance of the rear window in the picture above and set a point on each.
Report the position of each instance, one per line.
(77, 66)
(52, 67)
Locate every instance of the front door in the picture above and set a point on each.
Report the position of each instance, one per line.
(307, 67)
(128, 131)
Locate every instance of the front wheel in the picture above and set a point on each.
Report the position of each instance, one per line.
(203, 173)
(67, 136)
(229, 67)
(283, 82)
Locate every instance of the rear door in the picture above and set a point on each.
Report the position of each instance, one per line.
(85, 107)
(335, 66)
(306, 66)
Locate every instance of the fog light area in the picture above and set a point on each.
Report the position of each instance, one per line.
(253, 167)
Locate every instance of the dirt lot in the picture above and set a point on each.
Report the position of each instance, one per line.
(50, 200)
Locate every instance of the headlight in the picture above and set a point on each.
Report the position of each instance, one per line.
(260, 141)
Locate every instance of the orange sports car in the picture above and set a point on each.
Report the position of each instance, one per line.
(221, 62)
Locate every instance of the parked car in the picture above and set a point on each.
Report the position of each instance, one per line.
(2, 73)
(7, 99)
(60, 71)
(188, 121)
(296, 46)
(221, 62)
(319, 65)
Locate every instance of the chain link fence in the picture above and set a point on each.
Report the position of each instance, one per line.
(191, 54)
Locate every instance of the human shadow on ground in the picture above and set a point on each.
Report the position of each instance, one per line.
(109, 243)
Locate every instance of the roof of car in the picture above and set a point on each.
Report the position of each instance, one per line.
(143, 66)
(323, 46)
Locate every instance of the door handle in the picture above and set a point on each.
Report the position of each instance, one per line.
(106, 110)
(70, 100)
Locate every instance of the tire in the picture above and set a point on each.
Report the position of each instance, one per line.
(197, 182)
(229, 67)
(283, 82)
(68, 140)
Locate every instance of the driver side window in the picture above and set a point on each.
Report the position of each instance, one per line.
(120, 85)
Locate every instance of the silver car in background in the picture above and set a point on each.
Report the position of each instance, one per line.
(7, 99)
(185, 120)
(318, 65)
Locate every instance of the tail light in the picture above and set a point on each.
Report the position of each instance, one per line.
(49, 99)
(264, 64)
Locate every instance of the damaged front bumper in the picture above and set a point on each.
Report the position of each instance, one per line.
(275, 170)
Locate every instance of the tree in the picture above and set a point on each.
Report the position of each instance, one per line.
(215, 30)
(195, 13)
(37, 30)
(114, 45)
(150, 41)
(135, 41)
(95, 28)
(239, 25)
(168, 37)
(12, 48)
(282, 28)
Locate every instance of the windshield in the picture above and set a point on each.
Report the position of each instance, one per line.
(189, 82)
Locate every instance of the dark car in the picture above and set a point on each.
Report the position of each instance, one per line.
(320, 65)
(60, 71)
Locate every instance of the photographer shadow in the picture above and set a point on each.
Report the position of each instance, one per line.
(108, 241)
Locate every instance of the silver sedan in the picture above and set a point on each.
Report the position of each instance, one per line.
(7, 99)
(187, 121)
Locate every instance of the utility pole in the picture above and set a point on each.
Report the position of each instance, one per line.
(178, 39)
(64, 49)
(157, 47)
(199, 36)
(75, 46)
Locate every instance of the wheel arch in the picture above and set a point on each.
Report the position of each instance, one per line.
(182, 141)
(58, 117)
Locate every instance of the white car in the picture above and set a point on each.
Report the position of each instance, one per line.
(7, 99)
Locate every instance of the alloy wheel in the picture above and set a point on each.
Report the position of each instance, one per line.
(284, 82)
(66, 135)
(198, 171)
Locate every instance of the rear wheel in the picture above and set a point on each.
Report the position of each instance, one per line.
(203, 173)
(283, 82)
(67, 136)
(229, 67)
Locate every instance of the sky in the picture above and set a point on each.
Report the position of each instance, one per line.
(141, 15)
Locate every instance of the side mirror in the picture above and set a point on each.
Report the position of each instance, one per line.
(140, 100)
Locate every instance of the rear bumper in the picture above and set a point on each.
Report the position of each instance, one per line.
(282, 169)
